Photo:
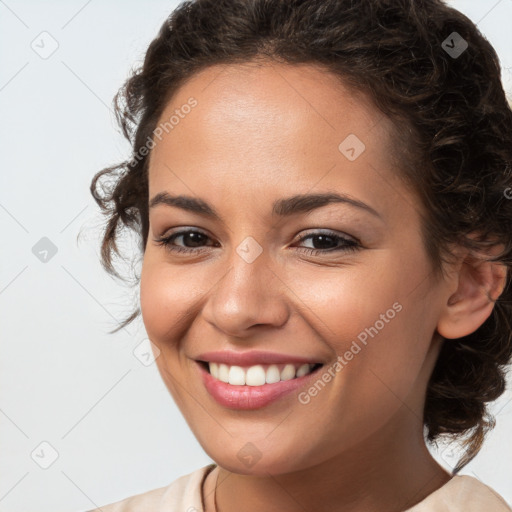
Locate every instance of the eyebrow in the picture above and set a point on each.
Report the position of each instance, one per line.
(301, 203)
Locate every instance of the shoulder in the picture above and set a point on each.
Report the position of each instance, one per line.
(183, 494)
(462, 493)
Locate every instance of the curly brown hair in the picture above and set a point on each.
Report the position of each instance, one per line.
(453, 130)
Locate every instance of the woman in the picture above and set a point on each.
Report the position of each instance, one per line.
(322, 194)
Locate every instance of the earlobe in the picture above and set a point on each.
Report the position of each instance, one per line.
(480, 283)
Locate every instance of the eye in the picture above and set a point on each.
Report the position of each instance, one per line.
(190, 236)
(325, 242)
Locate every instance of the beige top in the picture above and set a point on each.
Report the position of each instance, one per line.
(462, 493)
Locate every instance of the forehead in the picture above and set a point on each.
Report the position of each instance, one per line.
(261, 91)
(267, 126)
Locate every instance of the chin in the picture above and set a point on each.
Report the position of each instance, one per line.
(249, 460)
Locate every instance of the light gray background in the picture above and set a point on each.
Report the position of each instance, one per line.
(63, 379)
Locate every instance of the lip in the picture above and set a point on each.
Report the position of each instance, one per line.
(251, 397)
(253, 357)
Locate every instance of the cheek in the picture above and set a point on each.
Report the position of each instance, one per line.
(164, 297)
(369, 317)
(342, 303)
(380, 341)
(161, 297)
(171, 298)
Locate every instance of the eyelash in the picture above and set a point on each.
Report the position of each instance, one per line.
(350, 245)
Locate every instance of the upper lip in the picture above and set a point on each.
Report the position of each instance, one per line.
(252, 357)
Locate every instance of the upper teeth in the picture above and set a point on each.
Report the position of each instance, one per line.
(257, 375)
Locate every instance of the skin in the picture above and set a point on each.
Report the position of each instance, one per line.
(259, 133)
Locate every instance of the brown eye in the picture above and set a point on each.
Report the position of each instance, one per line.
(191, 238)
(329, 242)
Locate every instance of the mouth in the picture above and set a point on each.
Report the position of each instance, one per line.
(258, 375)
(256, 386)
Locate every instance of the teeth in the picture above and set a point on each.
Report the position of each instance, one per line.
(303, 370)
(237, 376)
(273, 374)
(288, 372)
(257, 375)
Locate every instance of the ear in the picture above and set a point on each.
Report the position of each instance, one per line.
(479, 283)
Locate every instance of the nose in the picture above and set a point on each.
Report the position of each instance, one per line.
(249, 294)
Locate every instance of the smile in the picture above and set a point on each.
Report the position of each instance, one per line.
(259, 375)
(254, 387)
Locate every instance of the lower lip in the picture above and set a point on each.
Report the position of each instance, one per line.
(250, 397)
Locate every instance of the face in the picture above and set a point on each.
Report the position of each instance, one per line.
(267, 281)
